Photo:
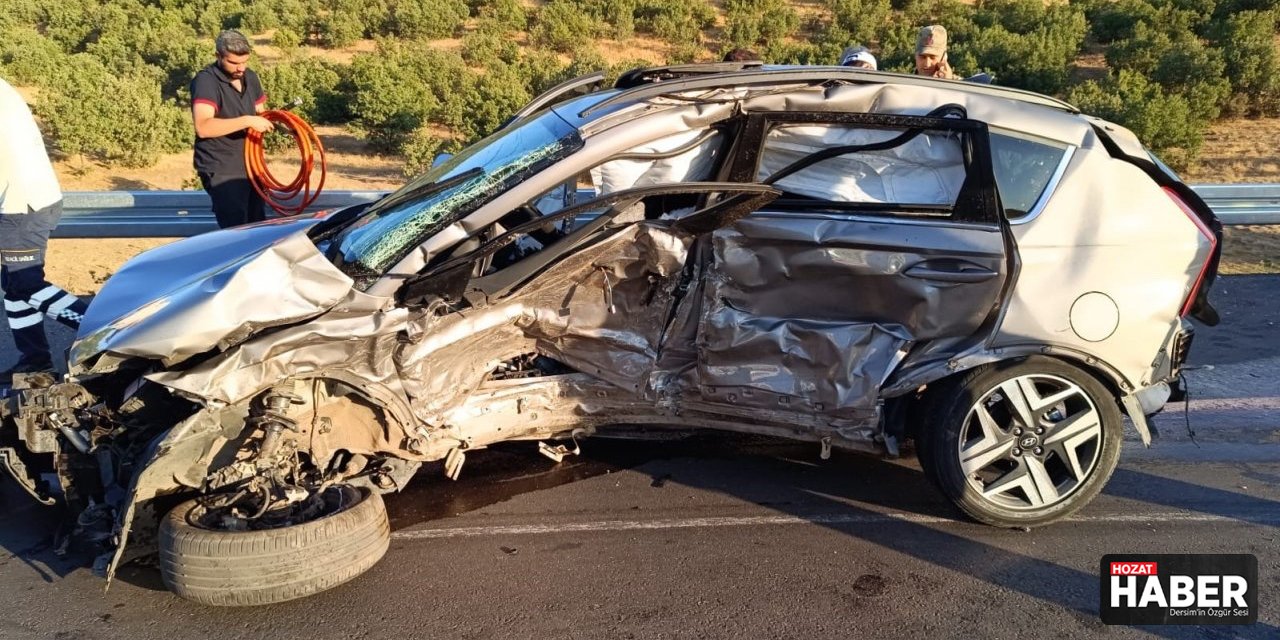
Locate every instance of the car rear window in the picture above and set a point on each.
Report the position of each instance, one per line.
(1024, 167)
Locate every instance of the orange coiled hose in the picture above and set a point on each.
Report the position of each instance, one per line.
(294, 197)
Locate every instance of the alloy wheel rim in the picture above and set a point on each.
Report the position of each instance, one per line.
(1030, 442)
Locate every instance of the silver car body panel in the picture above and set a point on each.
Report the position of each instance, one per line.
(210, 291)
(738, 329)
(1102, 283)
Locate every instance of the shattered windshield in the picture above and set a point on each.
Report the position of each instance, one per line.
(389, 230)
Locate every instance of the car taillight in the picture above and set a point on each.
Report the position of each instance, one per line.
(1208, 234)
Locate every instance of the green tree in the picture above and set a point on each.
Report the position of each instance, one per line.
(1164, 122)
(752, 23)
(111, 116)
(431, 20)
(561, 26)
(28, 58)
(679, 22)
(312, 82)
(1247, 40)
(490, 41)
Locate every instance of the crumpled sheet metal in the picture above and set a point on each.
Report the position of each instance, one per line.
(239, 282)
(637, 271)
(820, 311)
(795, 363)
(833, 270)
(459, 352)
(358, 337)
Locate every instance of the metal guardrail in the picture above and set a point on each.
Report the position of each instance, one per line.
(175, 214)
(160, 214)
(1238, 204)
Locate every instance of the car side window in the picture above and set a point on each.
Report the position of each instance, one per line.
(917, 172)
(1024, 167)
(689, 156)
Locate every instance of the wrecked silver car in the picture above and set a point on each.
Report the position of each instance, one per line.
(851, 258)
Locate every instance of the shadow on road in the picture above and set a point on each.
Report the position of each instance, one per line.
(1178, 494)
(785, 477)
(30, 534)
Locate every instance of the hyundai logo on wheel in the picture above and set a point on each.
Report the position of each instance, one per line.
(1179, 589)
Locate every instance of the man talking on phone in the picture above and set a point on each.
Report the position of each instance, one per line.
(931, 53)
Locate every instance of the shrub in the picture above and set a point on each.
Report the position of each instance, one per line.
(286, 39)
(1111, 20)
(339, 23)
(1015, 16)
(1037, 60)
(750, 23)
(561, 26)
(420, 150)
(1197, 73)
(111, 116)
(1140, 52)
(491, 98)
(679, 22)
(510, 14)
(28, 58)
(795, 53)
(218, 15)
(396, 90)
(1248, 49)
(264, 15)
(21, 13)
(540, 70)
(857, 21)
(432, 20)
(489, 42)
(1165, 123)
(68, 23)
(313, 82)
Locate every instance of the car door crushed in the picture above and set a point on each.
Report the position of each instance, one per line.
(783, 321)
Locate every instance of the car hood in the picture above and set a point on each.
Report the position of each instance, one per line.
(210, 291)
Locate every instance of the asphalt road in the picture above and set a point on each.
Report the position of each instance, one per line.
(743, 538)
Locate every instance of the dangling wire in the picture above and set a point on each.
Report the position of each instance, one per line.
(1186, 409)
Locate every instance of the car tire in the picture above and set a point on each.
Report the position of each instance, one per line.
(257, 567)
(975, 446)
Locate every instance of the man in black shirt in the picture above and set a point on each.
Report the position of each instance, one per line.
(226, 97)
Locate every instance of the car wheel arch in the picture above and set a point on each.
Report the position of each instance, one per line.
(908, 387)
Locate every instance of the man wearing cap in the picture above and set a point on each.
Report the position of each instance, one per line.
(931, 53)
(858, 57)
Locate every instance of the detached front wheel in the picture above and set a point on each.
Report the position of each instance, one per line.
(1022, 444)
(204, 560)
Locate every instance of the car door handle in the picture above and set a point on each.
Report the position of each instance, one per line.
(958, 272)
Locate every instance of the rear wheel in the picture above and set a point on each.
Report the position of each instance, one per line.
(1020, 444)
(347, 533)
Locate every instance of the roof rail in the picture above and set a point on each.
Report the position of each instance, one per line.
(723, 74)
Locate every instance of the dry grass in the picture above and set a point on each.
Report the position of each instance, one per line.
(1239, 150)
(1253, 249)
